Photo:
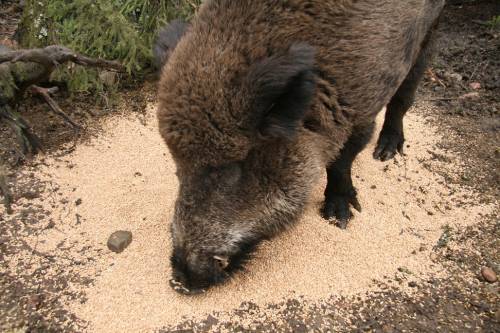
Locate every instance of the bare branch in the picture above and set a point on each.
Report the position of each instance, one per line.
(43, 61)
(54, 55)
(45, 94)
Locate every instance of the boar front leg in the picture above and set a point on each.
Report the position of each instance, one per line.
(340, 193)
(392, 138)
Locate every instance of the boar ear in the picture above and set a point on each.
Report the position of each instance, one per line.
(166, 41)
(282, 89)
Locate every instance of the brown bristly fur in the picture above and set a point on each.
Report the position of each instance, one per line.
(259, 97)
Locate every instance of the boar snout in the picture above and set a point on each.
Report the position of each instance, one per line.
(194, 273)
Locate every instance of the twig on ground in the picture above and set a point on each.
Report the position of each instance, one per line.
(440, 99)
(480, 22)
(461, 97)
(435, 78)
(45, 93)
(475, 70)
(4, 189)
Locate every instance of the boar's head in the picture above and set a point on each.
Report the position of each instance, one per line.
(245, 163)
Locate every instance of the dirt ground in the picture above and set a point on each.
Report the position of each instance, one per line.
(420, 271)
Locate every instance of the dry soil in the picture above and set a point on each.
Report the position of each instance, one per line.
(124, 180)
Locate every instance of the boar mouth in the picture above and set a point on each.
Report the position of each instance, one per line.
(181, 289)
(186, 283)
(246, 249)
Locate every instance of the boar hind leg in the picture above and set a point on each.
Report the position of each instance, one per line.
(391, 138)
(340, 193)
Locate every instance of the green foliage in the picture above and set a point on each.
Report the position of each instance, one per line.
(13, 79)
(122, 30)
(494, 22)
(7, 84)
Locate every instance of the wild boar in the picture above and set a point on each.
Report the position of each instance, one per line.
(258, 98)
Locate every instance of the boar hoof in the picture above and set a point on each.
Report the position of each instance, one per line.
(337, 207)
(389, 143)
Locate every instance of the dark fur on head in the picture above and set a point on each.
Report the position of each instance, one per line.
(283, 89)
(167, 40)
(257, 99)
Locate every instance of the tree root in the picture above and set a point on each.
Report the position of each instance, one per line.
(44, 60)
(54, 107)
(29, 142)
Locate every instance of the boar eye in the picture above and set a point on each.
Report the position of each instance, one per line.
(228, 174)
(232, 173)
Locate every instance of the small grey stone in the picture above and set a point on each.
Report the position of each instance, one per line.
(455, 76)
(489, 274)
(119, 240)
(387, 329)
(108, 78)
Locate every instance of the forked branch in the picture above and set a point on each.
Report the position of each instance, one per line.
(45, 94)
